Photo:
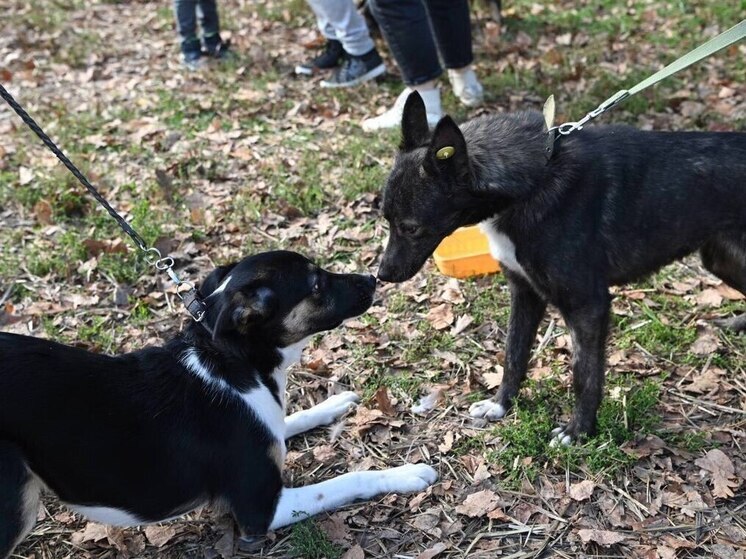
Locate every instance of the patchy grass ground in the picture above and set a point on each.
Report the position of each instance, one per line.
(242, 158)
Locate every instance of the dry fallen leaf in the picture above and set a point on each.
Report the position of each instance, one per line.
(707, 343)
(324, 453)
(160, 535)
(493, 380)
(729, 293)
(709, 297)
(478, 504)
(384, 401)
(601, 537)
(440, 317)
(355, 552)
(722, 472)
(582, 491)
(434, 551)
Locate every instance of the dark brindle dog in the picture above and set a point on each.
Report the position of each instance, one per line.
(611, 206)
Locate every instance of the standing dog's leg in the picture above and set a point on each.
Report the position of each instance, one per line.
(526, 311)
(298, 503)
(588, 326)
(321, 414)
(19, 498)
(725, 257)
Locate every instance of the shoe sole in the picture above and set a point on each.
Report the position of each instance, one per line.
(371, 125)
(374, 73)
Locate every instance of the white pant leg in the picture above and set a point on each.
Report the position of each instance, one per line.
(340, 20)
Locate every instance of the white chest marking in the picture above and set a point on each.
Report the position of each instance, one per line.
(106, 515)
(258, 399)
(502, 248)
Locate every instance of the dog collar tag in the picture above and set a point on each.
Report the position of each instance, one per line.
(445, 152)
(548, 111)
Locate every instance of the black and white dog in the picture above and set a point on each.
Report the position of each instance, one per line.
(612, 205)
(150, 435)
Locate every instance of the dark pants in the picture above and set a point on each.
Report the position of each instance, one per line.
(187, 12)
(418, 30)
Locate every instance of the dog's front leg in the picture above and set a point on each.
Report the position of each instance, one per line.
(588, 326)
(526, 311)
(298, 503)
(321, 414)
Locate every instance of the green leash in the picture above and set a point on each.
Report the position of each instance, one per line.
(725, 39)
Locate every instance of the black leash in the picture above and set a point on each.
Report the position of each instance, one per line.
(191, 298)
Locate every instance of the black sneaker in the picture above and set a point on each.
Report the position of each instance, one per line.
(327, 60)
(215, 47)
(356, 70)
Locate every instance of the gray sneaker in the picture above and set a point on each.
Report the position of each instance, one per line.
(356, 70)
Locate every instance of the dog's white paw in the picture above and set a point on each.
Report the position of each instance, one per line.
(407, 479)
(334, 407)
(487, 409)
(560, 438)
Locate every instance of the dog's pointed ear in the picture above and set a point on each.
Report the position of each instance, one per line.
(244, 309)
(414, 127)
(447, 151)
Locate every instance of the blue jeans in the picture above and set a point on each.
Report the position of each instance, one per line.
(187, 12)
(418, 30)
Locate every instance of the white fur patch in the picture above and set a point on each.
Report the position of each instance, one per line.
(487, 409)
(502, 248)
(560, 438)
(259, 399)
(190, 359)
(222, 286)
(322, 414)
(107, 515)
(300, 502)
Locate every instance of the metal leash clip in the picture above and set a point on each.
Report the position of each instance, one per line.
(569, 127)
(190, 298)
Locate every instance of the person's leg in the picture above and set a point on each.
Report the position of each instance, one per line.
(340, 20)
(210, 24)
(406, 28)
(452, 30)
(186, 20)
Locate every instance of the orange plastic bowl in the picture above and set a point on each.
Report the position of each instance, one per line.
(465, 253)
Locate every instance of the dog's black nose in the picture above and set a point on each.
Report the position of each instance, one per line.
(370, 280)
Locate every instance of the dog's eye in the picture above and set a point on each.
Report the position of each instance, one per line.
(408, 228)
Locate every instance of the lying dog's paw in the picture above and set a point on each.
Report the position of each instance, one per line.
(560, 437)
(487, 409)
(335, 406)
(407, 479)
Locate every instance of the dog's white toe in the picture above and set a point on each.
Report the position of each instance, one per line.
(487, 409)
(408, 479)
(559, 438)
(335, 407)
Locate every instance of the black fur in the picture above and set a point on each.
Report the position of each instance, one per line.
(613, 205)
(139, 432)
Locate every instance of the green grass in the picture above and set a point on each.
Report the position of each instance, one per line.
(308, 541)
(627, 412)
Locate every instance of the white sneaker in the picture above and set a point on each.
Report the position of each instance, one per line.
(392, 117)
(466, 87)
